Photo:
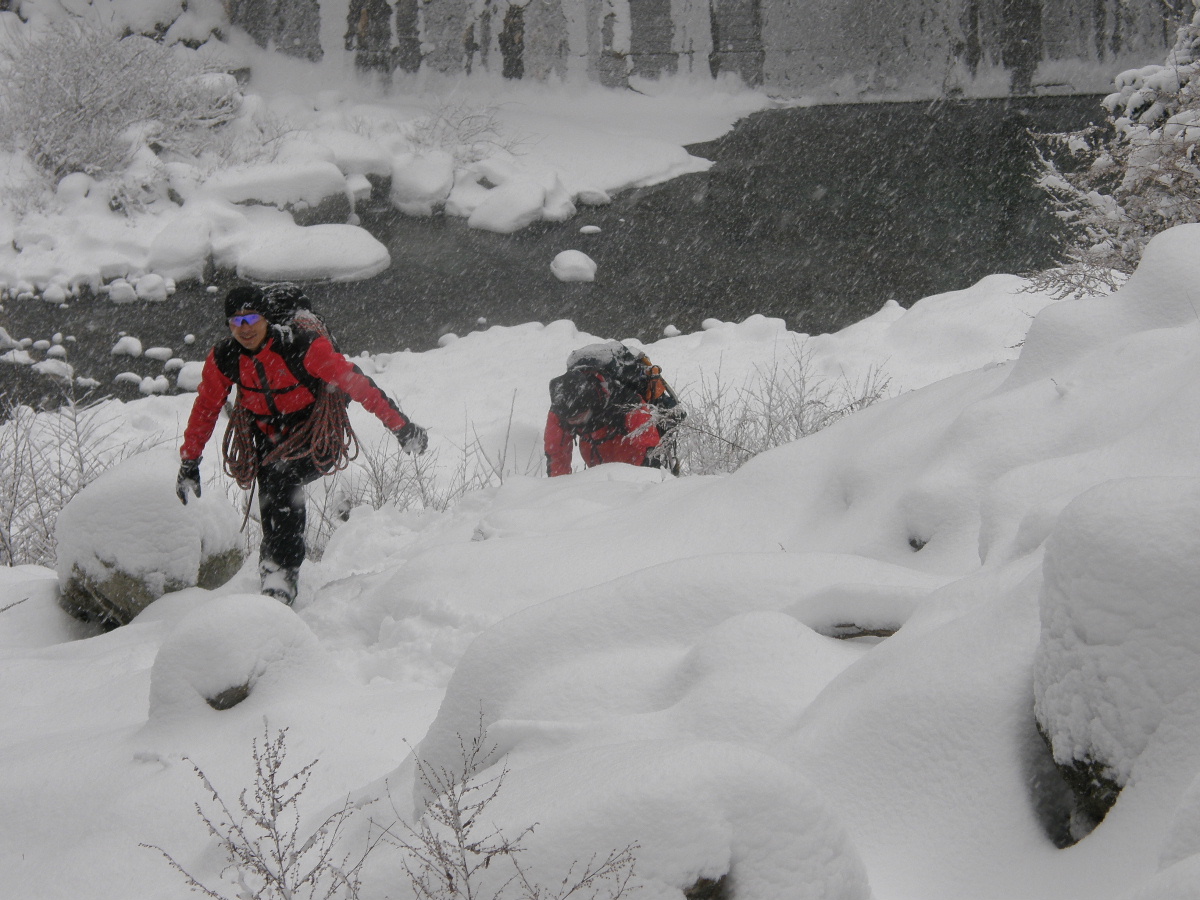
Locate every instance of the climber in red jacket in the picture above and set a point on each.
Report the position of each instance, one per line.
(288, 426)
(608, 428)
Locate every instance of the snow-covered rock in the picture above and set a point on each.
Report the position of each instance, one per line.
(55, 368)
(181, 249)
(573, 265)
(1119, 650)
(421, 181)
(284, 185)
(336, 252)
(127, 345)
(229, 650)
(509, 207)
(152, 287)
(125, 540)
(190, 373)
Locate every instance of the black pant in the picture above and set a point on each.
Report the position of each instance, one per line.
(281, 507)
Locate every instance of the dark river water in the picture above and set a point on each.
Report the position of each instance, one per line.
(815, 215)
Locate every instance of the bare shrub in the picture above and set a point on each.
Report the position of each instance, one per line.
(728, 423)
(250, 139)
(1082, 277)
(448, 852)
(265, 849)
(383, 475)
(466, 131)
(46, 458)
(78, 96)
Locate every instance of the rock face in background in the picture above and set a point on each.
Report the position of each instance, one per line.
(840, 49)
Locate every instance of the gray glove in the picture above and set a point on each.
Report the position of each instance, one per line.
(412, 437)
(188, 480)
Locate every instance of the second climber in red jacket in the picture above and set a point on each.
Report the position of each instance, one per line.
(608, 424)
(288, 426)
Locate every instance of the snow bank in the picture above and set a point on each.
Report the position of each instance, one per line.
(657, 686)
(658, 659)
(32, 617)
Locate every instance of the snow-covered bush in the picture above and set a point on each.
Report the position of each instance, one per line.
(79, 97)
(1118, 184)
(729, 423)
(125, 540)
(1120, 645)
(46, 459)
(469, 132)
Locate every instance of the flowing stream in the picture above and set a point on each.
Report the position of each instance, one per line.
(815, 215)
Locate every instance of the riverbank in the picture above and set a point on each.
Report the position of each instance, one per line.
(817, 216)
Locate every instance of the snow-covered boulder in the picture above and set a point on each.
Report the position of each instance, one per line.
(313, 191)
(333, 252)
(229, 649)
(509, 207)
(421, 181)
(181, 249)
(1120, 642)
(573, 265)
(125, 540)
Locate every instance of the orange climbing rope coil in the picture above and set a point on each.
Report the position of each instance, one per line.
(325, 436)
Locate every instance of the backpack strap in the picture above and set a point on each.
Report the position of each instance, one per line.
(291, 345)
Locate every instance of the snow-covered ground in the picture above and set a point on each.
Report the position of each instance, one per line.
(652, 655)
(654, 659)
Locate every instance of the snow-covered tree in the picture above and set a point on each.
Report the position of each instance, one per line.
(1117, 184)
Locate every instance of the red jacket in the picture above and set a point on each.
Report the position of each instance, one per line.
(604, 445)
(268, 388)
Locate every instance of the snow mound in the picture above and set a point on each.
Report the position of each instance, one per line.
(234, 649)
(278, 184)
(293, 252)
(660, 686)
(34, 619)
(697, 810)
(509, 207)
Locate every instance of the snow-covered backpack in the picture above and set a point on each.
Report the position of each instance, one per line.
(290, 307)
(609, 379)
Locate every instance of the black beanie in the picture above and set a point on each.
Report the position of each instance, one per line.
(245, 296)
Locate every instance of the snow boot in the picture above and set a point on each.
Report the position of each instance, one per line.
(278, 581)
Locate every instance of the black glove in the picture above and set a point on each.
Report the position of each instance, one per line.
(412, 438)
(188, 480)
